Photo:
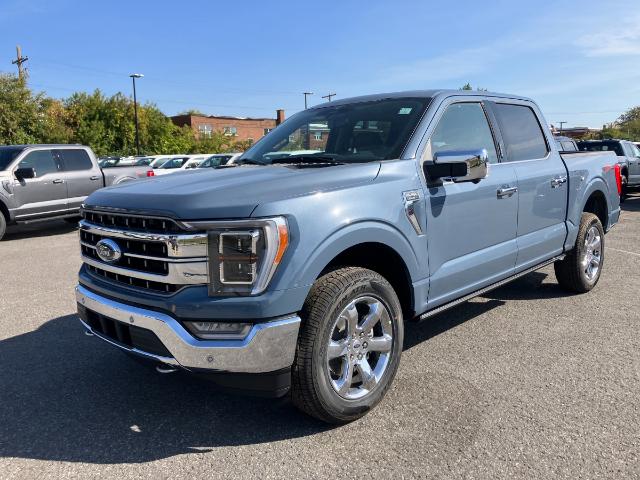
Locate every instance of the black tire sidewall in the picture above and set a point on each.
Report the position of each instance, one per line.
(337, 406)
(3, 225)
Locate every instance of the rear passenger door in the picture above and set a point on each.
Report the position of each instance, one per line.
(82, 176)
(44, 195)
(542, 183)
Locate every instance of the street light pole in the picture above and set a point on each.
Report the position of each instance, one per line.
(135, 109)
(306, 94)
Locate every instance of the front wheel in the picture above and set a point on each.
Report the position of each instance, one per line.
(349, 345)
(580, 270)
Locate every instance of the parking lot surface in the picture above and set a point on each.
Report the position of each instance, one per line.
(526, 381)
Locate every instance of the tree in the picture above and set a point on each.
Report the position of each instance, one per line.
(22, 114)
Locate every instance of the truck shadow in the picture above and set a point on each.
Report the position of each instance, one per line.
(65, 397)
(40, 229)
(632, 202)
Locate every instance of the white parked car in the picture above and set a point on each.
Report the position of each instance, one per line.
(180, 163)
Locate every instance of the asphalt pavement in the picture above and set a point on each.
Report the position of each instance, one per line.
(525, 382)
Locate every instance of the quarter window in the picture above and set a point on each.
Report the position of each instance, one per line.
(42, 161)
(75, 159)
(463, 127)
(521, 132)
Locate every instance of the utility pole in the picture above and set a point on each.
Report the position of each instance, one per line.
(561, 124)
(306, 94)
(135, 108)
(19, 61)
(328, 96)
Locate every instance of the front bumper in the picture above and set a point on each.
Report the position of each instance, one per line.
(268, 347)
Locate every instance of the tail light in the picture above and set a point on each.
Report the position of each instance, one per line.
(151, 173)
(616, 168)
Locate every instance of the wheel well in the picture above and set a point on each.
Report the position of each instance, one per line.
(597, 205)
(624, 172)
(381, 259)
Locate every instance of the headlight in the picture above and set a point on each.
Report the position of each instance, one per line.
(244, 255)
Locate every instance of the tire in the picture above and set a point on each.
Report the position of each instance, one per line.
(338, 304)
(573, 272)
(3, 225)
(624, 189)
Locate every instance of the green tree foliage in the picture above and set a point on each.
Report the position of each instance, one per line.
(104, 123)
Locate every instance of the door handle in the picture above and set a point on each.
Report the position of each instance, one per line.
(95, 177)
(506, 192)
(558, 181)
(58, 180)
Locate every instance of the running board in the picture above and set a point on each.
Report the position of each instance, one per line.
(493, 286)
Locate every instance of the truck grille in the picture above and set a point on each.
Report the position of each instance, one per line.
(161, 262)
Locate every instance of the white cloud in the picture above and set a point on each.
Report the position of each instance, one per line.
(615, 41)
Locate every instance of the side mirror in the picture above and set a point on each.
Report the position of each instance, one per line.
(24, 173)
(461, 166)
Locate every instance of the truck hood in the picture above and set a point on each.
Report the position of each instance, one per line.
(228, 192)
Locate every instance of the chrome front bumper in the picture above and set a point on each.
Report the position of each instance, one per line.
(268, 347)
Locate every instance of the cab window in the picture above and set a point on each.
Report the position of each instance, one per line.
(462, 127)
(42, 161)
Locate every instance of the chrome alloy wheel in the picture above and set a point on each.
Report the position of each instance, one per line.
(359, 349)
(592, 252)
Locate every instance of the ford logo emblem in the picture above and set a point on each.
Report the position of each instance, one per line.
(108, 251)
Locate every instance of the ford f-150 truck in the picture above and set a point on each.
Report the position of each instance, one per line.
(295, 273)
(42, 182)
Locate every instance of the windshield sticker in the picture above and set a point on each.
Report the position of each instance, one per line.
(405, 111)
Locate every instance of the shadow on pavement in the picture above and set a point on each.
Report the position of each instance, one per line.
(67, 397)
(39, 229)
(632, 202)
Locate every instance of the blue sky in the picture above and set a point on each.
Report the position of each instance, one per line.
(579, 59)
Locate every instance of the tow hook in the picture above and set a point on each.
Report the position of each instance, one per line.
(164, 368)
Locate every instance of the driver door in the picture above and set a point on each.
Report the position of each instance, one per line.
(471, 226)
(44, 195)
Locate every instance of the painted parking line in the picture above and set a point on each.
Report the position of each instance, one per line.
(623, 251)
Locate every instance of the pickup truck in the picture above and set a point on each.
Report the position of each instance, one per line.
(295, 274)
(628, 158)
(43, 182)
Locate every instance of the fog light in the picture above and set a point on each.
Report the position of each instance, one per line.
(219, 330)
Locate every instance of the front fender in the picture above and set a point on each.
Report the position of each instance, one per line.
(354, 234)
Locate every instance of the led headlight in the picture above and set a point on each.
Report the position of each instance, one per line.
(244, 255)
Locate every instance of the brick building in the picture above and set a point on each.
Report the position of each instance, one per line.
(238, 127)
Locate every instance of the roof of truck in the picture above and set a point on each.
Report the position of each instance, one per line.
(419, 94)
(48, 145)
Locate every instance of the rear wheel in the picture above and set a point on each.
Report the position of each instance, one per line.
(624, 187)
(580, 270)
(349, 345)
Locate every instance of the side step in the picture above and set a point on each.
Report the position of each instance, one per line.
(493, 286)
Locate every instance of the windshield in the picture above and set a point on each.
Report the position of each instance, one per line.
(214, 161)
(174, 163)
(8, 155)
(355, 132)
(602, 147)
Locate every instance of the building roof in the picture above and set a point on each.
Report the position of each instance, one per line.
(222, 117)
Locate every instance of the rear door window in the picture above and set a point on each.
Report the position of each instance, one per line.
(75, 159)
(521, 132)
(42, 161)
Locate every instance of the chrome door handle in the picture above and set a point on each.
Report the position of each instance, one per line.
(95, 177)
(506, 192)
(558, 181)
(58, 180)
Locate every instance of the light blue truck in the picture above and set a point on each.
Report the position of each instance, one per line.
(294, 274)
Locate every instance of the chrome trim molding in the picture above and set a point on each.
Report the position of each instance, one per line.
(192, 273)
(268, 347)
(493, 286)
(179, 245)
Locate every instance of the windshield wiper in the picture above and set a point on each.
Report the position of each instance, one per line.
(308, 159)
(247, 161)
